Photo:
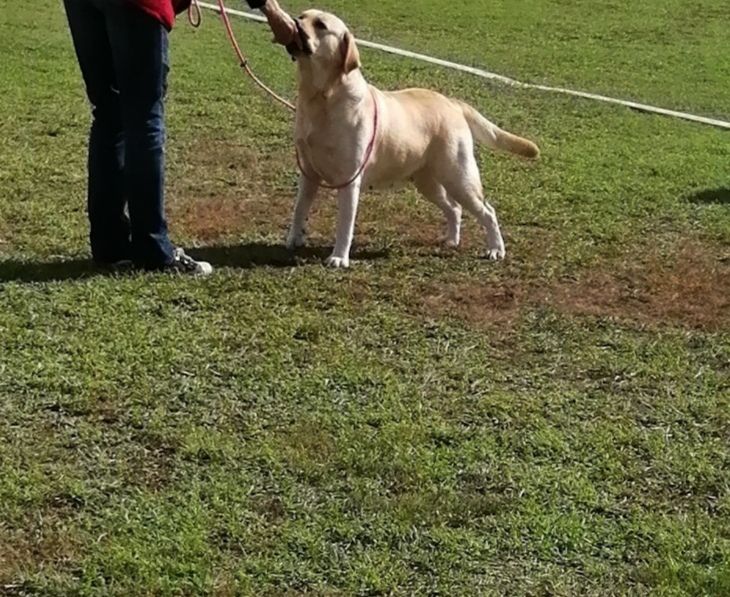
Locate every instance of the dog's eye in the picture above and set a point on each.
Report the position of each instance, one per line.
(319, 24)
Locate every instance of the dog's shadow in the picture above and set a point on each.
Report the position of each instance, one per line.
(252, 255)
(244, 256)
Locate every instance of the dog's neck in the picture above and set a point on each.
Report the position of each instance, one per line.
(352, 86)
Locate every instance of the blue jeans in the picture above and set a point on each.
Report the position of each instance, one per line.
(122, 52)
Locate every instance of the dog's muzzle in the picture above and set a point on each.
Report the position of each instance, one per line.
(297, 49)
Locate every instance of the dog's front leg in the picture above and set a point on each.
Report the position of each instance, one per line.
(347, 200)
(306, 195)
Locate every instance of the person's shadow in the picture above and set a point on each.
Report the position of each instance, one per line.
(29, 271)
(710, 196)
(245, 256)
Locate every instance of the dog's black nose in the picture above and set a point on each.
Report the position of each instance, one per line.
(301, 44)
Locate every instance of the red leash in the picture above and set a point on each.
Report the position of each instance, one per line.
(243, 61)
(195, 17)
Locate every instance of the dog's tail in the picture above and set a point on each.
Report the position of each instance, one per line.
(491, 135)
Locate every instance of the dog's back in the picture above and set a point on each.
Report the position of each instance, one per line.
(436, 113)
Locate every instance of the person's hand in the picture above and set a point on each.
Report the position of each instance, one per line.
(282, 25)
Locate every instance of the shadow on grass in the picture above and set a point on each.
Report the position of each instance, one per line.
(711, 196)
(252, 255)
(246, 256)
(28, 271)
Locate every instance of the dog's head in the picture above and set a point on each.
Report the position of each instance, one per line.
(327, 50)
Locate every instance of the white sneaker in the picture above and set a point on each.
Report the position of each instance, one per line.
(182, 263)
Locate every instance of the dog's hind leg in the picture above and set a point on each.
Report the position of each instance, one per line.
(305, 198)
(434, 191)
(467, 190)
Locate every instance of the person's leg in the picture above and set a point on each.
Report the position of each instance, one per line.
(109, 226)
(139, 49)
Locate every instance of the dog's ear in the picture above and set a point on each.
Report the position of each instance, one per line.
(350, 54)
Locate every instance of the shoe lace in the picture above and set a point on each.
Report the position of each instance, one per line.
(185, 260)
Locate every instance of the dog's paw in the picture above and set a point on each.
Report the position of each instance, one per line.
(450, 242)
(496, 254)
(336, 262)
(294, 240)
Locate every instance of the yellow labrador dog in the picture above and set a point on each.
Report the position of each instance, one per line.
(351, 136)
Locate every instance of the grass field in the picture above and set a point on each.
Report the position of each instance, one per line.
(425, 423)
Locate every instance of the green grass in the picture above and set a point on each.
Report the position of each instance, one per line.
(669, 53)
(426, 423)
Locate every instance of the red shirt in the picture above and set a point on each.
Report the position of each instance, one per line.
(163, 10)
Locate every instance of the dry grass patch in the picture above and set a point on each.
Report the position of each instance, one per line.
(688, 288)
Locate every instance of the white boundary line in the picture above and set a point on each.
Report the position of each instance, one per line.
(495, 77)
